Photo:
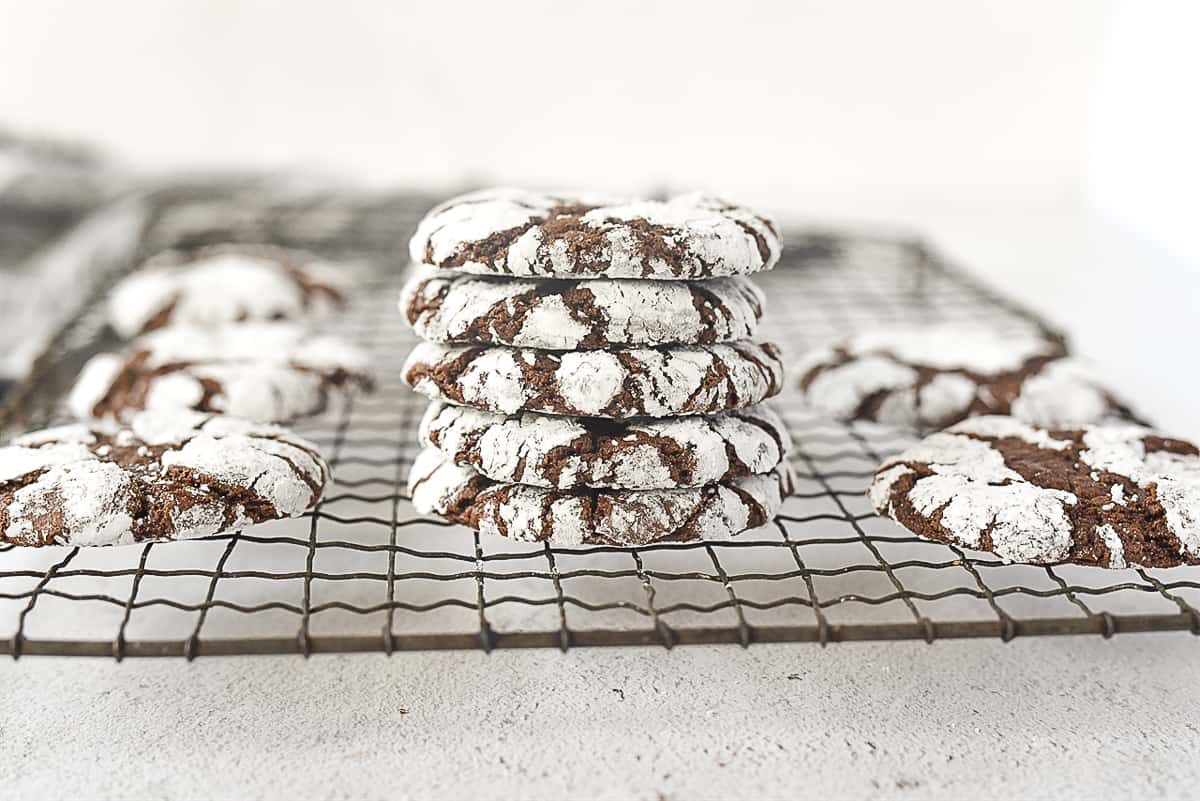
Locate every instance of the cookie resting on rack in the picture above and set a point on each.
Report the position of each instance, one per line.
(618, 383)
(576, 452)
(272, 372)
(569, 315)
(933, 377)
(594, 517)
(1106, 495)
(564, 235)
(164, 476)
(225, 284)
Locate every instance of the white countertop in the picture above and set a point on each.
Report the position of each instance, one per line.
(1049, 718)
(1044, 718)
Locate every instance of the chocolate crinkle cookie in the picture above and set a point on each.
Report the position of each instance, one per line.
(272, 372)
(933, 377)
(1110, 495)
(225, 284)
(563, 235)
(617, 383)
(164, 476)
(576, 452)
(594, 517)
(567, 315)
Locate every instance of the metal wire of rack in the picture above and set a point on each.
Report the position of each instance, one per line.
(363, 572)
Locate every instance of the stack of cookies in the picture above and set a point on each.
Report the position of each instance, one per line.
(592, 368)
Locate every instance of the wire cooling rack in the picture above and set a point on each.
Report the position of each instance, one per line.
(364, 572)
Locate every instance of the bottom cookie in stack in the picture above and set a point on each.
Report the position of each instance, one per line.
(581, 481)
(594, 517)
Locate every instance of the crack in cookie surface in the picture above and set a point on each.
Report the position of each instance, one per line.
(519, 233)
(561, 314)
(225, 284)
(274, 372)
(594, 517)
(573, 452)
(937, 376)
(164, 476)
(1105, 495)
(618, 383)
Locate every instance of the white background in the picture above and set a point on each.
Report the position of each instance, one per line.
(793, 104)
(785, 103)
(1048, 145)
(781, 101)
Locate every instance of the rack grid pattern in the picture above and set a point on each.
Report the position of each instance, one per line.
(364, 572)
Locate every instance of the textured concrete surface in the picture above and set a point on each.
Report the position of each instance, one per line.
(1062, 718)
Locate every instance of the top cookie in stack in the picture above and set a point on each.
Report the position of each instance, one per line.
(593, 369)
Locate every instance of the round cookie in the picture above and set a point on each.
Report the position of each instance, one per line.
(165, 476)
(561, 235)
(933, 377)
(225, 284)
(273, 372)
(619, 383)
(577, 452)
(570, 315)
(1107, 495)
(594, 517)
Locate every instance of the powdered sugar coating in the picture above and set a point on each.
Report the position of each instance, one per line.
(273, 372)
(566, 315)
(570, 452)
(164, 477)
(952, 347)
(244, 462)
(225, 284)
(1000, 426)
(1116, 548)
(569, 235)
(1106, 495)
(1064, 392)
(87, 500)
(618, 383)
(935, 376)
(582, 517)
(840, 393)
